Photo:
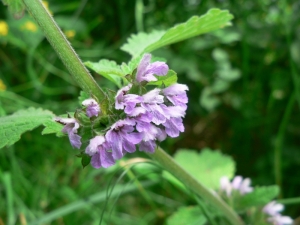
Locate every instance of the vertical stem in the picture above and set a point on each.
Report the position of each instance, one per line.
(195, 186)
(139, 8)
(279, 141)
(64, 50)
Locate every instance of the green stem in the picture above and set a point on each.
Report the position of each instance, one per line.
(279, 140)
(195, 186)
(139, 8)
(64, 50)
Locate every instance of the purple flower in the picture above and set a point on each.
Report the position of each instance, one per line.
(173, 126)
(243, 186)
(98, 150)
(152, 103)
(70, 128)
(280, 220)
(122, 139)
(146, 70)
(273, 208)
(176, 94)
(93, 108)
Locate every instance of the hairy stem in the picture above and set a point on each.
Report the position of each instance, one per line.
(65, 52)
(189, 181)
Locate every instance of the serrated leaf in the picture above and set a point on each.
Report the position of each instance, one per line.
(259, 197)
(169, 79)
(207, 166)
(187, 216)
(52, 127)
(131, 65)
(136, 43)
(83, 96)
(108, 69)
(13, 126)
(212, 20)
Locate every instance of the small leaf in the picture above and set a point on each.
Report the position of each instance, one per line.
(108, 69)
(85, 160)
(167, 80)
(259, 197)
(131, 65)
(13, 126)
(187, 216)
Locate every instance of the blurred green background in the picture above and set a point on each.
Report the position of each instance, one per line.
(244, 99)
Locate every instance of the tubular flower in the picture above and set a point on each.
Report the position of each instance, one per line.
(146, 70)
(98, 149)
(122, 139)
(70, 128)
(92, 107)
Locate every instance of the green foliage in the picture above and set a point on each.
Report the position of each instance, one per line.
(13, 126)
(212, 20)
(187, 216)
(166, 80)
(259, 197)
(16, 7)
(207, 166)
(83, 96)
(52, 127)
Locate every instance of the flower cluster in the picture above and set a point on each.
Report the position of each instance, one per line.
(242, 186)
(273, 210)
(144, 118)
(238, 183)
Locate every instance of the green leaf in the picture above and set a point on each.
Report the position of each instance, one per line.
(85, 160)
(208, 100)
(212, 20)
(108, 69)
(259, 197)
(136, 43)
(167, 80)
(207, 166)
(131, 65)
(83, 96)
(16, 7)
(13, 126)
(187, 216)
(52, 127)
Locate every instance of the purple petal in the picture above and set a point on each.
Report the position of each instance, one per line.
(128, 146)
(153, 97)
(93, 108)
(158, 68)
(174, 126)
(115, 141)
(142, 67)
(147, 146)
(102, 159)
(119, 104)
(95, 142)
(75, 140)
(175, 89)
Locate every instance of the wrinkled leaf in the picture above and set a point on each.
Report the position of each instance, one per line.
(13, 126)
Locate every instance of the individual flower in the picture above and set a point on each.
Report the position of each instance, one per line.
(92, 107)
(70, 128)
(122, 139)
(173, 126)
(146, 70)
(98, 149)
(176, 94)
(226, 185)
(273, 208)
(280, 220)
